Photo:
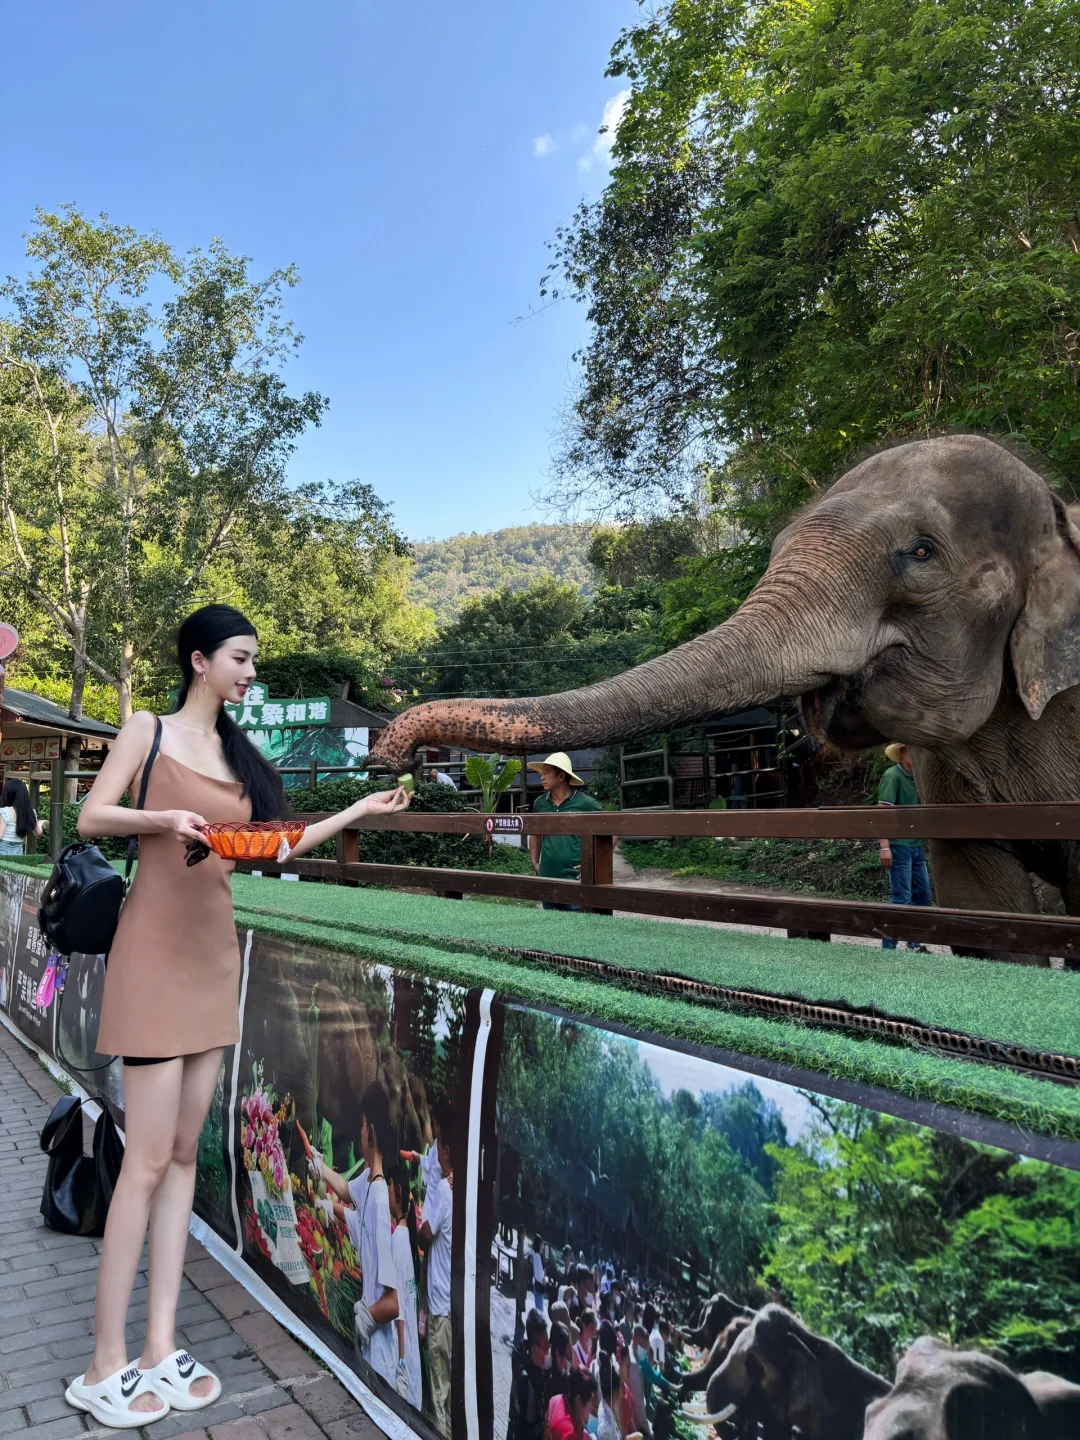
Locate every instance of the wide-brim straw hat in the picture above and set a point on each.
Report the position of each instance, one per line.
(892, 752)
(561, 761)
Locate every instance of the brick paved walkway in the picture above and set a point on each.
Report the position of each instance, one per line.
(273, 1389)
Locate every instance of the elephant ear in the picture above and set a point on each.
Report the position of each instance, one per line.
(977, 1411)
(1045, 642)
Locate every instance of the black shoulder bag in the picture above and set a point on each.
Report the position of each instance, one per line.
(79, 1187)
(80, 908)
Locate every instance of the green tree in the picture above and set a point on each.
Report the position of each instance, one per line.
(594, 1129)
(827, 225)
(150, 430)
(888, 1231)
(447, 573)
(532, 641)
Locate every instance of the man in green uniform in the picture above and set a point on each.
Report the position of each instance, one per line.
(909, 882)
(558, 857)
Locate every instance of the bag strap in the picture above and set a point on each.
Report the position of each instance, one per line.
(133, 840)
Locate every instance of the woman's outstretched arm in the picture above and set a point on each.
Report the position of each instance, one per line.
(383, 802)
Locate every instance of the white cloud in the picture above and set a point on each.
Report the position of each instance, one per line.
(543, 145)
(600, 154)
(614, 111)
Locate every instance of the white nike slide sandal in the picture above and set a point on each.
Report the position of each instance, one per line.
(109, 1401)
(171, 1381)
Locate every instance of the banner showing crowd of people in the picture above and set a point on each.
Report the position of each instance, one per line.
(646, 1239)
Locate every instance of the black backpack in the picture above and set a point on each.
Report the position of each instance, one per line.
(79, 1187)
(80, 907)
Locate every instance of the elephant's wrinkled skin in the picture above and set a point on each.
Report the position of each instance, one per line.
(931, 596)
(945, 1394)
(779, 1375)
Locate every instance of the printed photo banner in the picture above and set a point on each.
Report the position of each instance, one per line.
(816, 1260)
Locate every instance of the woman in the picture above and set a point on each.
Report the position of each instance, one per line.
(171, 1001)
(607, 1375)
(18, 818)
(583, 1346)
(571, 1415)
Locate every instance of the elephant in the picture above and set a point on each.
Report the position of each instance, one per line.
(403, 1117)
(277, 1033)
(779, 1375)
(718, 1352)
(946, 1394)
(930, 596)
(1058, 1401)
(710, 1317)
(347, 1065)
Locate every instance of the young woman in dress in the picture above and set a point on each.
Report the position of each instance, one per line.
(171, 1001)
(18, 818)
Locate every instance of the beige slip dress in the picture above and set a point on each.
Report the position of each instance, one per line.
(172, 986)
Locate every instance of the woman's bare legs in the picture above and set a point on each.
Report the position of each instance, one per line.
(151, 1111)
(170, 1212)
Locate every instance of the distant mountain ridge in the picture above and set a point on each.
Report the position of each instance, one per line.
(446, 573)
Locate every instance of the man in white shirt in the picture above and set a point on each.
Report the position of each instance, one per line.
(367, 1219)
(436, 1237)
(539, 1279)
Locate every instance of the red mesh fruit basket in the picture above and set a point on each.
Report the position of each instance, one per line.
(251, 840)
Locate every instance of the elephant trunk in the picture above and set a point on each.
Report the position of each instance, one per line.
(788, 638)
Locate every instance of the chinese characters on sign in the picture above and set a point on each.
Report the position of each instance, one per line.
(504, 825)
(259, 712)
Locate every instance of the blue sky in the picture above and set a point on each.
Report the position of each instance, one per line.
(411, 160)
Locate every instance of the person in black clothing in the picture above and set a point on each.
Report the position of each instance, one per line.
(528, 1404)
(557, 1379)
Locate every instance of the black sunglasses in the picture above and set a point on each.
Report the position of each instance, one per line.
(195, 852)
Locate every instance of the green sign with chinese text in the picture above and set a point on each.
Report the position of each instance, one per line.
(259, 712)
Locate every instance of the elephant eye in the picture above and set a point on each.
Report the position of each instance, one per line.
(923, 550)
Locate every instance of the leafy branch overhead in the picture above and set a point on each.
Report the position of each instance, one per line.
(827, 225)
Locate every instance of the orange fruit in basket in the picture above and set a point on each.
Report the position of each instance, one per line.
(252, 840)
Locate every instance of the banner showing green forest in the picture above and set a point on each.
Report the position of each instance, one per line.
(871, 1229)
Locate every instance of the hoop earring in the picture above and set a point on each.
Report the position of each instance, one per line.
(202, 679)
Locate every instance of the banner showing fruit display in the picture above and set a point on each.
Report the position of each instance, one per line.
(11, 892)
(30, 963)
(326, 1039)
(271, 1184)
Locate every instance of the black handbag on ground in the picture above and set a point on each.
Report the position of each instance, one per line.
(80, 907)
(79, 1187)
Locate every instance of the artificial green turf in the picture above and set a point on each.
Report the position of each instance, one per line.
(456, 941)
(1033, 1105)
(1020, 1004)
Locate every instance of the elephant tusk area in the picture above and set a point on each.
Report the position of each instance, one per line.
(717, 1419)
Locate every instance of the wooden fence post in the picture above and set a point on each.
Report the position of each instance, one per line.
(347, 846)
(597, 865)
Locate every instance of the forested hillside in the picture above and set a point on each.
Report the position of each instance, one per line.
(446, 573)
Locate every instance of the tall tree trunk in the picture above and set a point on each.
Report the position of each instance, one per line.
(124, 680)
(73, 744)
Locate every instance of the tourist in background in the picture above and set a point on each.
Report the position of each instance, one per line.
(18, 818)
(905, 861)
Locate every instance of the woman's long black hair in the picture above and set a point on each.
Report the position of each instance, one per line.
(206, 631)
(16, 795)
